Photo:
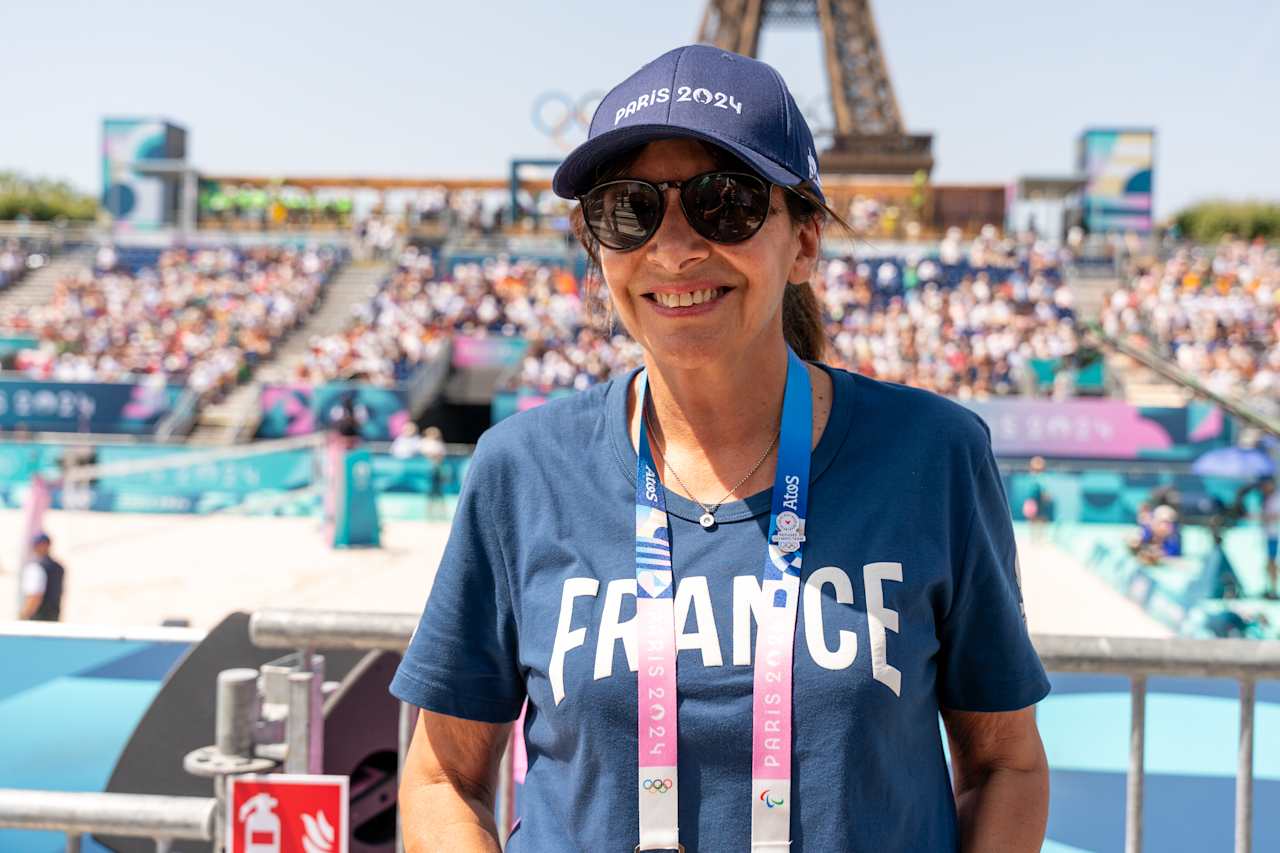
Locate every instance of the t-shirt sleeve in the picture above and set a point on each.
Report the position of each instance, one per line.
(34, 581)
(462, 659)
(987, 662)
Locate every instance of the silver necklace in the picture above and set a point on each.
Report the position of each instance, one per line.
(708, 518)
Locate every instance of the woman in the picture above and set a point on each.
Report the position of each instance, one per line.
(819, 729)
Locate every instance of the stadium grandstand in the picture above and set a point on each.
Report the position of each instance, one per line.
(1211, 311)
(1133, 539)
(1139, 538)
(203, 319)
(238, 412)
(14, 263)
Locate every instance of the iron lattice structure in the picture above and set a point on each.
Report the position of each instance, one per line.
(868, 130)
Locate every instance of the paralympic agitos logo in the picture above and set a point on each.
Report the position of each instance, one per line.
(770, 801)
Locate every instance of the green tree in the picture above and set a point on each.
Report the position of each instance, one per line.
(1209, 221)
(42, 199)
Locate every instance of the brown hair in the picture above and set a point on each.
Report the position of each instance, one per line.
(801, 316)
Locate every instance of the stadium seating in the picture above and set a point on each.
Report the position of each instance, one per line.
(13, 263)
(1213, 312)
(986, 319)
(200, 317)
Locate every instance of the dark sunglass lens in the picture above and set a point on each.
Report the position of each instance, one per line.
(726, 207)
(622, 214)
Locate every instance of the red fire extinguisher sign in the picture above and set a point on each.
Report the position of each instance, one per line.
(281, 813)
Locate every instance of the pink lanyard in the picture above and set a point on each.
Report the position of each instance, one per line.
(658, 782)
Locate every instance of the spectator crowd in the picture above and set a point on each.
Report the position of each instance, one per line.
(15, 261)
(416, 311)
(1213, 312)
(200, 317)
(971, 324)
(970, 320)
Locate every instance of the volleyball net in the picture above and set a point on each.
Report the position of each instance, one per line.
(288, 476)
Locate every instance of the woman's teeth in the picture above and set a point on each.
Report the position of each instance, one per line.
(684, 300)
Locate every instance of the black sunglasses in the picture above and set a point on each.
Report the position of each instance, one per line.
(724, 207)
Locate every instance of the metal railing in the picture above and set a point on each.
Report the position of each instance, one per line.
(163, 819)
(1246, 661)
(331, 629)
(306, 630)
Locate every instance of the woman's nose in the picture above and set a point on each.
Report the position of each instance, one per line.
(676, 246)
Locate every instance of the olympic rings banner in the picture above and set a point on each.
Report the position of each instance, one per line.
(564, 119)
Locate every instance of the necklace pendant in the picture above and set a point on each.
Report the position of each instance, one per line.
(707, 520)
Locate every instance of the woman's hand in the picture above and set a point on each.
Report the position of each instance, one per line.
(448, 785)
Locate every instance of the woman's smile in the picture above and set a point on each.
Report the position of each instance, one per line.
(686, 300)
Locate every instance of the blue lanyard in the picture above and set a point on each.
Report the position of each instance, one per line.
(658, 782)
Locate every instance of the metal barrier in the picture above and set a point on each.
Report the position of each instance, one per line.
(1247, 661)
(331, 629)
(297, 681)
(306, 630)
(164, 819)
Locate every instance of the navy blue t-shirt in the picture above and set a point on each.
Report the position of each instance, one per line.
(910, 602)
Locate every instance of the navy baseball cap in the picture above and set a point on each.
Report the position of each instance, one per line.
(40, 539)
(700, 92)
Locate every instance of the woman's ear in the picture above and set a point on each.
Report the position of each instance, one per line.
(809, 248)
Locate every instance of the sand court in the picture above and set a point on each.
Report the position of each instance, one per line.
(138, 570)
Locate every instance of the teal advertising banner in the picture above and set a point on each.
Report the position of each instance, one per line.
(300, 409)
(507, 403)
(1102, 429)
(274, 471)
(100, 407)
(19, 460)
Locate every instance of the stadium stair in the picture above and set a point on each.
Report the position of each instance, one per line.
(232, 419)
(1090, 292)
(1138, 384)
(37, 287)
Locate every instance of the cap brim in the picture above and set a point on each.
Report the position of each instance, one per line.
(576, 173)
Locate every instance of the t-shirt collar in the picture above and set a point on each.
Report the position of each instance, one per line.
(833, 437)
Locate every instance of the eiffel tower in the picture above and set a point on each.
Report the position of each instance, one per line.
(868, 137)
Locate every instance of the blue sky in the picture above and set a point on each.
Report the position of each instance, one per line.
(436, 88)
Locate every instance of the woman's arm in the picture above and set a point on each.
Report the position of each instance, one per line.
(448, 786)
(1001, 779)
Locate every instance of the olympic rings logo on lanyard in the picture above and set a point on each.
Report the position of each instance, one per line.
(658, 786)
(564, 119)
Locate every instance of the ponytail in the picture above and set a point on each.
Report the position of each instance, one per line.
(802, 322)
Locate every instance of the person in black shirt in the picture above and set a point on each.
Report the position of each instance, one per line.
(42, 584)
(348, 417)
